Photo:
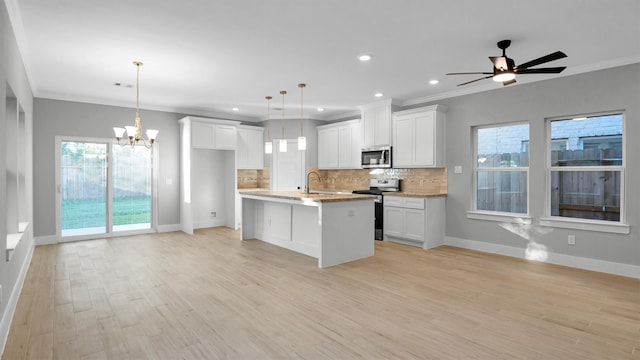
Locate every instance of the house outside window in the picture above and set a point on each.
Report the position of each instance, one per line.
(501, 170)
(586, 179)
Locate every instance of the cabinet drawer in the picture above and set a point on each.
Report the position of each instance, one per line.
(404, 202)
(393, 201)
(414, 203)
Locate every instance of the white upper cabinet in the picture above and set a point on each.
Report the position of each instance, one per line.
(339, 145)
(213, 134)
(250, 141)
(418, 137)
(376, 123)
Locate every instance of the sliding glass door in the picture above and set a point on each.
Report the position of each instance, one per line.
(131, 188)
(83, 188)
(103, 188)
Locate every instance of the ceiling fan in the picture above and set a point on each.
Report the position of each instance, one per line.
(505, 69)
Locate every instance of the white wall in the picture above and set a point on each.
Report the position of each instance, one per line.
(213, 187)
(605, 90)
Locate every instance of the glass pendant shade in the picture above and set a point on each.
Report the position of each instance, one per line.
(302, 143)
(119, 132)
(268, 147)
(131, 131)
(151, 135)
(283, 145)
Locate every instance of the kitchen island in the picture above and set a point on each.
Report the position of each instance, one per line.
(333, 228)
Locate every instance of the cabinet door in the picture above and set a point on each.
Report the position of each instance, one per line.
(425, 137)
(414, 224)
(393, 221)
(344, 146)
(328, 148)
(249, 149)
(202, 135)
(382, 125)
(403, 141)
(225, 137)
(376, 126)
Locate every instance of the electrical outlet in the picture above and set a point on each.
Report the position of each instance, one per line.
(571, 239)
(213, 214)
(457, 169)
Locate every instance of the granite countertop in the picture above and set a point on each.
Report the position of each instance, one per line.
(302, 196)
(413, 194)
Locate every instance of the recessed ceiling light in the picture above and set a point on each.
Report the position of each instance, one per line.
(364, 57)
(320, 109)
(236, 109)
(378, 94)
(433, 82)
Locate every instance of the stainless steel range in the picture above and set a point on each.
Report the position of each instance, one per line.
(377, 187)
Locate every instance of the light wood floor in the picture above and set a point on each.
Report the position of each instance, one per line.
(211, 296)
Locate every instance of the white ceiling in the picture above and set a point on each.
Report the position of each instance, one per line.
(203, 57)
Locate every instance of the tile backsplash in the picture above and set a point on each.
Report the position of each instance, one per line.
(252, 179)
(431, 181)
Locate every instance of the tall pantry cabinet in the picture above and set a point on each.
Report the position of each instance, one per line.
(207, 172)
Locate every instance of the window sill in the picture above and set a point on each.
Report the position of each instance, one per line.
(588, 225)
(499, 217)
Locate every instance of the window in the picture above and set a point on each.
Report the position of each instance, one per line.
(501, 169)
(587, 177)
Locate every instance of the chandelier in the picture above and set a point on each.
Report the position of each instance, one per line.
(134, 133)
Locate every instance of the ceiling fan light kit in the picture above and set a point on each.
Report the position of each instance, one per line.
(505, 69)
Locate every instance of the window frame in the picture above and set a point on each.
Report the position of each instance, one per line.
(508, 217)
(619, 227)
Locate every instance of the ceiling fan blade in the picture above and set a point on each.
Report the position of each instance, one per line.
(472, 81)
(499, 62)
(551, 70)
(470, 73)
(541, 60)
(509, 82)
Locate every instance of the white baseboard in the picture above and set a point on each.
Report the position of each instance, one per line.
(208, 223)
(169, 228)
(46, 240)
(12, 301)
(553, 258)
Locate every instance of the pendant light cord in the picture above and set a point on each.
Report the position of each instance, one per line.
(283, 94)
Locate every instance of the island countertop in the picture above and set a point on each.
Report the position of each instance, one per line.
(302, 196)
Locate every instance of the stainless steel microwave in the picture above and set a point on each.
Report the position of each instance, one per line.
(376, 157)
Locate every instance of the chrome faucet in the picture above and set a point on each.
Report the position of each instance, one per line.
(308, 175)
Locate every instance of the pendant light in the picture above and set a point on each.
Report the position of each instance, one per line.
(268, 145)
(283, 141)
(134, 133)
(302, 141)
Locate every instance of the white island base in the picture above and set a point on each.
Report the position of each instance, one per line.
(332, 229)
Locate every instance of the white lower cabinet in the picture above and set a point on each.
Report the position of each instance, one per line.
(414, 220)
